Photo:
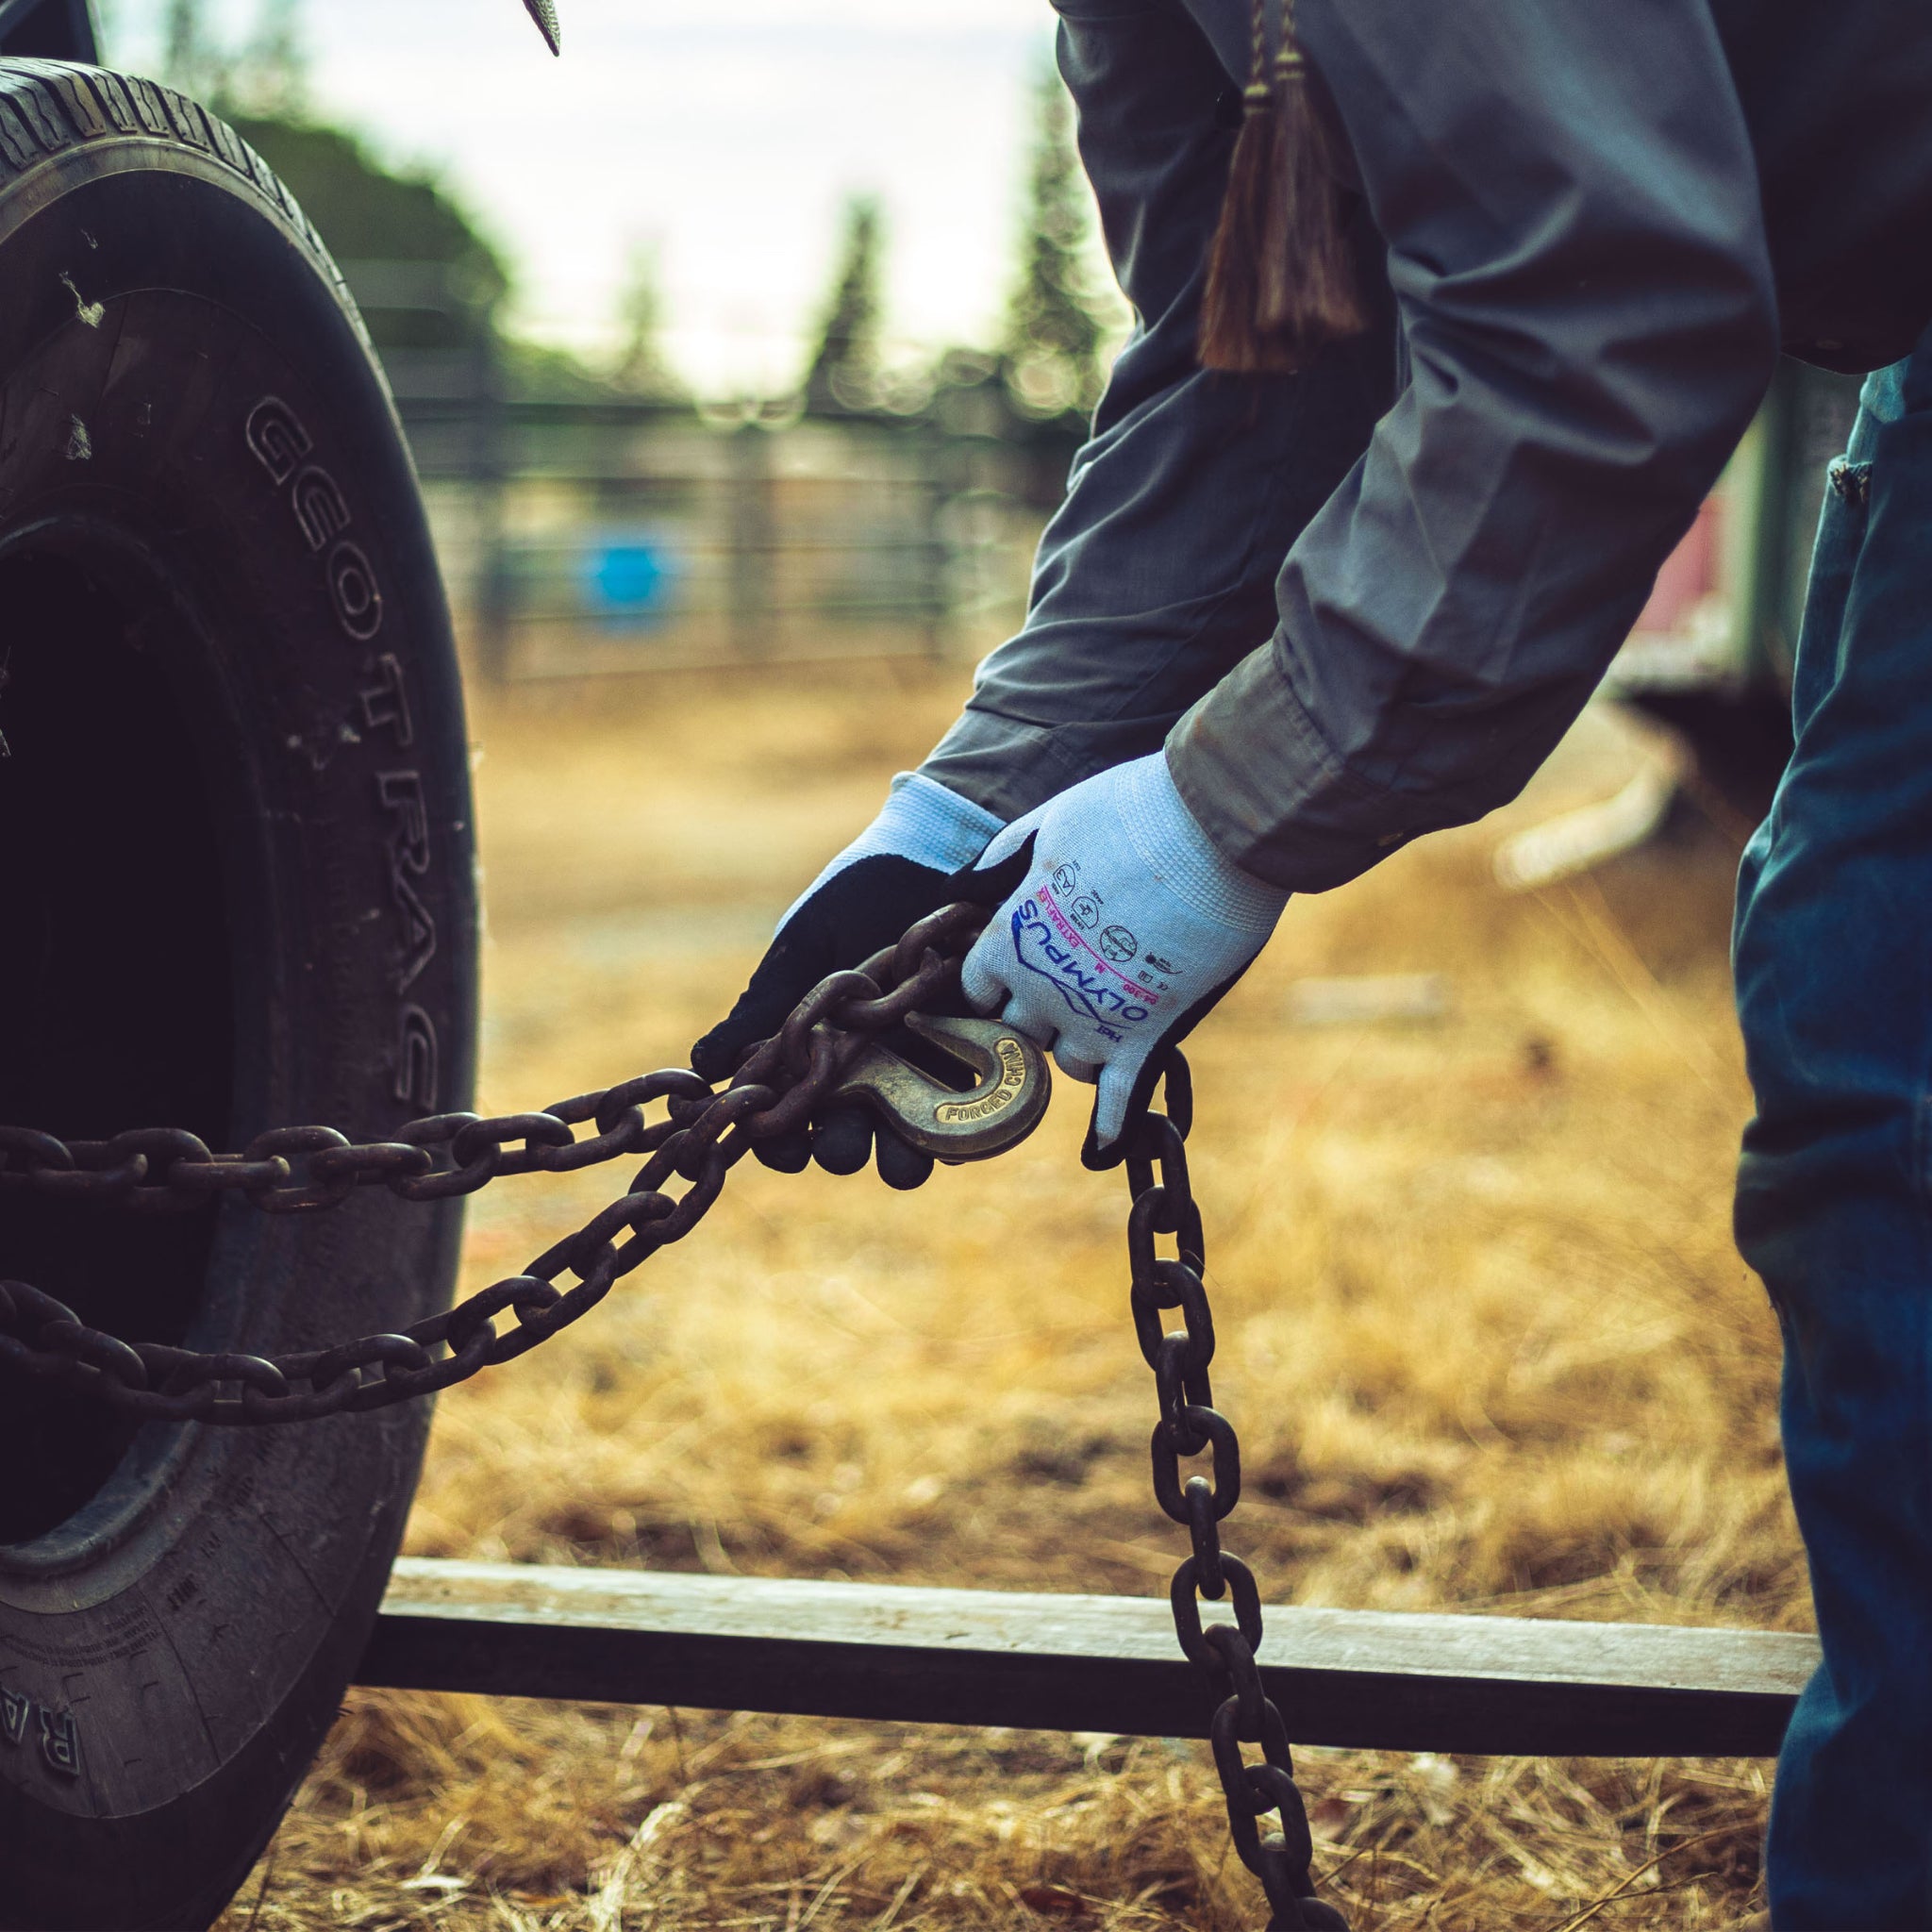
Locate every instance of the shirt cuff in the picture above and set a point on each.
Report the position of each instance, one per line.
(1262, 782)
(1008, 766)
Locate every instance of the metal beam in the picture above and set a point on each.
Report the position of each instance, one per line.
(1410, 1682)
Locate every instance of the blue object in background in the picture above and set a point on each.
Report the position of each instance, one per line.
(631, 577)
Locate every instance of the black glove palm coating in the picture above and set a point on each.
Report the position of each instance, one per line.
(866, 906)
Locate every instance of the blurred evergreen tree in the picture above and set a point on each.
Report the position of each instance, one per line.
(640, 368)
(424, 273)
(190, 59)
(1060, 316)
(272, 78)
(844, 370)
(369, 213)
(269, 75)
(366, 212)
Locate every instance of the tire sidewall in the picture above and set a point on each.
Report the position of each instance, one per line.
(183, 390)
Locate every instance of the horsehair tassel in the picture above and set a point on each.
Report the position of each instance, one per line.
(1281, 282)
(1308, 283)
(1231, 336)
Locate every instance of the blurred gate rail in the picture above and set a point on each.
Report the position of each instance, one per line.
(602, 533)
(1369, 1679)
(586, 538)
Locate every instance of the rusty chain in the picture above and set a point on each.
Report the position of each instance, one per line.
(305, 1170)
(1190, 1425)
(702, 1136)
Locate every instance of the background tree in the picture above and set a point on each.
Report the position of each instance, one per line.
(640, 367)
(844, 373)
(426, 274)
(1061, 315)
(369, 213)
(273, 74)
(190, 59)
(268, 76)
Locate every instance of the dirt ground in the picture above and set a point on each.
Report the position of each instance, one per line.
(1483, 1333)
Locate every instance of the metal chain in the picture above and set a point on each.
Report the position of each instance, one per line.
(1190, 1425)
(703, 1135)
(305, 1170)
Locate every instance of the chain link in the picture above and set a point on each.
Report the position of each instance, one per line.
(1190, 1426)
(308, 1170)
(702, 1136)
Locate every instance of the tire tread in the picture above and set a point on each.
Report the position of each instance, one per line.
(48, 107)
(66, 126)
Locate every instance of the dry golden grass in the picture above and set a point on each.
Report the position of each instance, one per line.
(1483, 1332)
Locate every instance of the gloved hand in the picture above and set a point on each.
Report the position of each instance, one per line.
(1121, 924)
(899, 868)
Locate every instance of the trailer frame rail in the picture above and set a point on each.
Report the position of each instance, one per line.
(1393, 1680)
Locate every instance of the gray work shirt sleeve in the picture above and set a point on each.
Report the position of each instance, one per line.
(1156, 577)
(1570, 206)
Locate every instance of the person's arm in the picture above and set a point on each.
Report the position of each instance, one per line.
(1571, 208)
(1156, 574)
(1575, 237)
(1156, 577)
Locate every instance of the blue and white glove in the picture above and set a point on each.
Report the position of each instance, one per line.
(899, 868)
(1122, 926)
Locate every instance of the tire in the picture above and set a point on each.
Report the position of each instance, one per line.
(238, 890)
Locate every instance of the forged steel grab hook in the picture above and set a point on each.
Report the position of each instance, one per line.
(998, 1112)
(544, 13)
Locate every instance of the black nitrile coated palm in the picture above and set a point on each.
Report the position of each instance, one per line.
(856, 912)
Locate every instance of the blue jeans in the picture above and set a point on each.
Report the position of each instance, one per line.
(1834, 1210)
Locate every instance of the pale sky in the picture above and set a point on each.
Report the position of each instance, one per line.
(726, 135)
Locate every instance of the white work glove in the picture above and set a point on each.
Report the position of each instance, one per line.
(1123, 925)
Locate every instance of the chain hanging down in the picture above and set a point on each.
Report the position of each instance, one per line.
(1190, 1424)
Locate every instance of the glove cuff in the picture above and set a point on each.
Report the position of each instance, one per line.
(1170, 840)
(921, 821)
(925, 822)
